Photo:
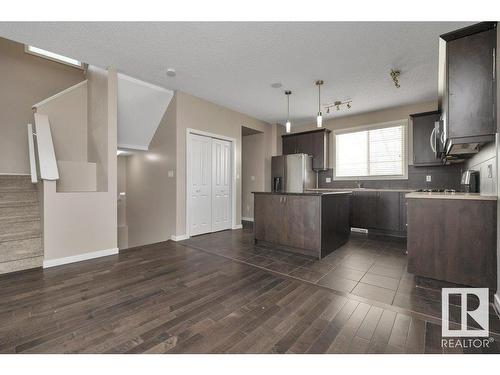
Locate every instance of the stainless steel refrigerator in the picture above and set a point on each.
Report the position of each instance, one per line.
(292, 173)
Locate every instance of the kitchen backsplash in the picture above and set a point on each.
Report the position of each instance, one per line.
(442, 177)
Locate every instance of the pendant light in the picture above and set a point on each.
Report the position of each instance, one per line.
(288, 125)
(319, 117)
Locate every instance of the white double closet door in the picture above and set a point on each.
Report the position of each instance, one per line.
(210, 185)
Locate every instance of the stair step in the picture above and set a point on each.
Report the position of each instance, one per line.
(19, 210)
(17, 219)
(19, 226)
(18, 196)
(16, 182)
(21, 264)
(20, 249)
(20, 235)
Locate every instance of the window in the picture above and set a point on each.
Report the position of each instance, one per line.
(373, 152)
(53, 56)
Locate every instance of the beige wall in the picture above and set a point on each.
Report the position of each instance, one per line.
(368, 118)
(199, 114)
(253, 167)
(121, 171)
(150, 192)
(156, 203)
(80, 223)
(24, 81)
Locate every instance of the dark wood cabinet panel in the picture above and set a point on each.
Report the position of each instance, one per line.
(388, 211)
(423, 125)
(314, 143)
(382, 211)
(313, 225)
(301, 220)
(471, 85)
(403, 219)
(364, 209)
(289, 144)
(453, 240)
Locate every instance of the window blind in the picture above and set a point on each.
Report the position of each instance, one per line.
(374, 152)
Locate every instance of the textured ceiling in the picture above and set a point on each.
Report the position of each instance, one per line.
(233, 64)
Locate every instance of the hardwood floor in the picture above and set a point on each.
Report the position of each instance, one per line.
(173, 298)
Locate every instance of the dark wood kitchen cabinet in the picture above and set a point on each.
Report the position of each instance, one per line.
(379, 211)
(470, 81)
(453, 240)
(423, 126)
(311, 224)
(314, 143)
(364, 209)
(388, 211)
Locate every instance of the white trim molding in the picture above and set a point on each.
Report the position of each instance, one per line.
(247, 219)
(79, 257)
(182, 237)
(238, 226)
(132, 147)
(59, 94)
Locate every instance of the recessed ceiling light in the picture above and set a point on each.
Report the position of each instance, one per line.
(276, 85)
(171, 72)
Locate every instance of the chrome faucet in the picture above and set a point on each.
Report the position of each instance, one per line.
(359, 184)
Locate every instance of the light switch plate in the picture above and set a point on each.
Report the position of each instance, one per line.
(428, 178)
(490, 171)
(328, 180)
(252, 178)
(171, 173)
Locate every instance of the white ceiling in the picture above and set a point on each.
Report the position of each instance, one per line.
(140, 109)
(233, 64)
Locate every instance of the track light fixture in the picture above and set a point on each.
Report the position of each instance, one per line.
(338, 105)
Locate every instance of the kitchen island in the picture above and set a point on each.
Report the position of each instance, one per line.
(311, 223)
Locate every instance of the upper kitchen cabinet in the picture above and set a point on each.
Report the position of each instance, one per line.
(314, 143)
(423, 134)
(468, 88)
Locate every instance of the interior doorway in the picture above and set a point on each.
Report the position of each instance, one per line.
(210, 183)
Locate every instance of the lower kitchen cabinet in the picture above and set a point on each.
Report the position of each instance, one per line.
(453, 240)
(382, 211)
(308, 224)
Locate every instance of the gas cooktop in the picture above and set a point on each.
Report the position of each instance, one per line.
(436, 191)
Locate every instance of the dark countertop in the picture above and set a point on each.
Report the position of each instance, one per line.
(307, 193)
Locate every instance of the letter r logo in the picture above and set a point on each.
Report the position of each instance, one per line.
(479, 314)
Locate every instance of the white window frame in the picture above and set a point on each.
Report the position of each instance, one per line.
(35, 51)
(404, 176)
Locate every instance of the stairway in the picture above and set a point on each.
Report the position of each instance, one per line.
(20, 231)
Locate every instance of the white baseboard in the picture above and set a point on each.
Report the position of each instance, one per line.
(247, 219)
(79, 257)
(496, 301)
(179, 238)
(237, 226)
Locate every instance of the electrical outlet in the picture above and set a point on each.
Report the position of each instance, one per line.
(252, 178)
(490, 171)
(328, 180)
(170, 173)
(428, 178)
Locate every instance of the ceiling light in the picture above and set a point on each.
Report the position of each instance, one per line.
(319, 117)
(395, 77)
(276, 85)
(171, 72)
(288, 125)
